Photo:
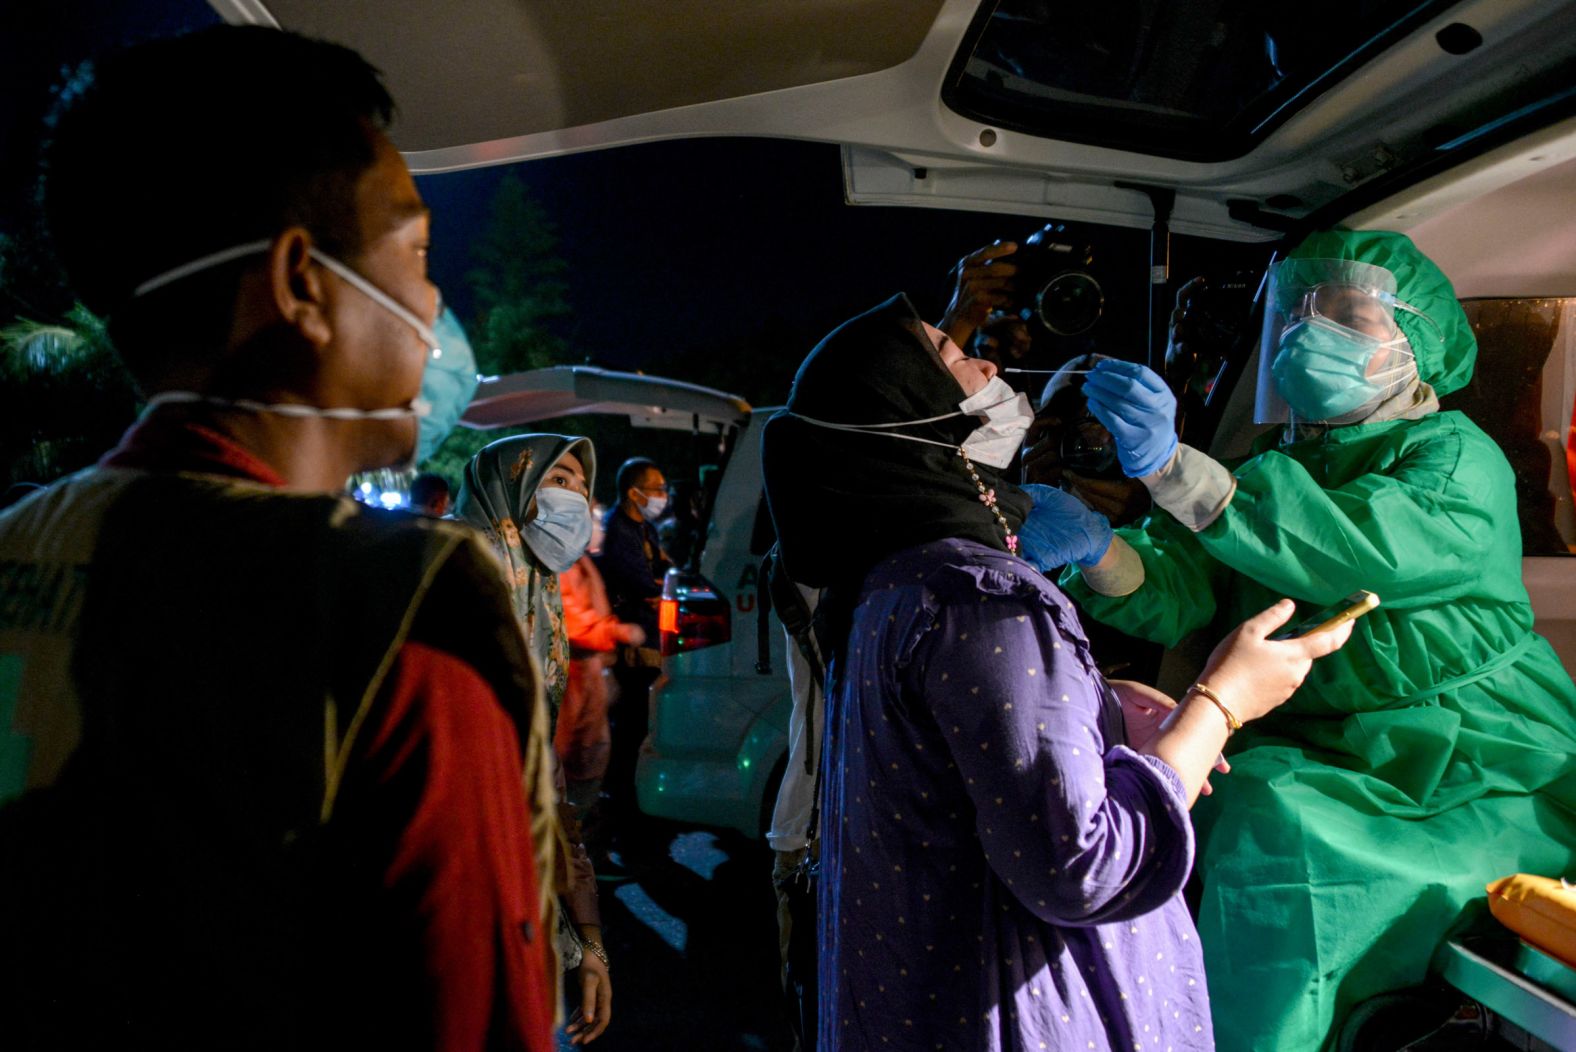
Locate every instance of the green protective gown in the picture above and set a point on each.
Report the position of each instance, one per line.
(1432, 754)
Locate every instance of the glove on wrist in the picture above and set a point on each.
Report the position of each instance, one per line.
(1136, 406)
(1060, 529)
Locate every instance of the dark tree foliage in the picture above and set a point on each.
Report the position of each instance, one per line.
(518, 287)
(520, 304)
(64, 396)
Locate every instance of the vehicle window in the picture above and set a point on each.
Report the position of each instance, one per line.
(1202, 80)
(1523, 394)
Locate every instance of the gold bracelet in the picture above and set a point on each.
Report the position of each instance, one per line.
(597, 950)
(1233, 725)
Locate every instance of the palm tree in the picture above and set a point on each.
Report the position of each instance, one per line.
(64, 396)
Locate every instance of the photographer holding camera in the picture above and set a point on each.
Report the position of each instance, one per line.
(982, 288)
(1055, 284)
(1007, 307)
(1068, 448)
(1209, 335)
(1054, 293)
(1004, 295)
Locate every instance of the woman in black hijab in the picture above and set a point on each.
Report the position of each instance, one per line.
(987, 796)
(841, 500)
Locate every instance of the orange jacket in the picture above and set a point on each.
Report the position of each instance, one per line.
(588, 616)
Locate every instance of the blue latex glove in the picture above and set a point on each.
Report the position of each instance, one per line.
(1136, 406)
(1061, 529)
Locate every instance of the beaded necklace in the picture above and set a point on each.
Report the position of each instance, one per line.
(988, 498)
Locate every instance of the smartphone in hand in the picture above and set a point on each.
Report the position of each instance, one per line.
(1349, 609)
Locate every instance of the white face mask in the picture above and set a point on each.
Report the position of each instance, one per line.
(653, 508)
(1007, 419)
(561, 531)
(416, 408)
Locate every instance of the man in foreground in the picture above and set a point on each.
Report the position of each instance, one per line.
(262, 754)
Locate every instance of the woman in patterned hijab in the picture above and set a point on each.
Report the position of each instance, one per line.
(499, 497)
(530, 495)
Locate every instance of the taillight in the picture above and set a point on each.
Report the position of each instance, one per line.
(692, 614)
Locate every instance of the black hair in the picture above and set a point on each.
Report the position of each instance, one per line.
(630, 472)
(167, 151)
(426, 486)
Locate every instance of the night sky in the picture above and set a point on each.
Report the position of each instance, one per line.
(687, 250)
(725, 242)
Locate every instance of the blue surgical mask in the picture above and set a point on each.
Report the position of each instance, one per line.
(1321, 370)
(561, 531)
(447, 385)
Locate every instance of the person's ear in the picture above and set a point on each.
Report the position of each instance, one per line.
(297, 287)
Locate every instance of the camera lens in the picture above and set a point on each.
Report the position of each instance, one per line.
(1087, 449)
(1070, 303)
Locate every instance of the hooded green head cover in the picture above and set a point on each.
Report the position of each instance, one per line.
(1445, 364)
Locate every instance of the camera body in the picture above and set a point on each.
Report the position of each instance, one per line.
(1083, 444)
(1225, 306)
(1055, 285)
(1217, 320)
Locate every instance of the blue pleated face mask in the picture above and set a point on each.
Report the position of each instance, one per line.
(561, 531)
(447, 385)
(1333, 350)
(1321, 370)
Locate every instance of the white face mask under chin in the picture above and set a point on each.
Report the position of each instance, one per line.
(414, 409)
(1007, 419)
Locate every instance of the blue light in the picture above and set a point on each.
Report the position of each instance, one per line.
(663, 924)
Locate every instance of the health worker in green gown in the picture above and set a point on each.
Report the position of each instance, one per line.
(1361, 821)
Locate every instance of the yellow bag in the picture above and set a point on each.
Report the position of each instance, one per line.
(1541, 910)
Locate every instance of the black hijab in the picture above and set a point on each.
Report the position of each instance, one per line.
(842, 501)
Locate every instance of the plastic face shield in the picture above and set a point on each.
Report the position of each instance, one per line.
(1345, 298)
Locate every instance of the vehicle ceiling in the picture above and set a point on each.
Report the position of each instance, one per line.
(1502, 225)
(483, 82)
(472, 77)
